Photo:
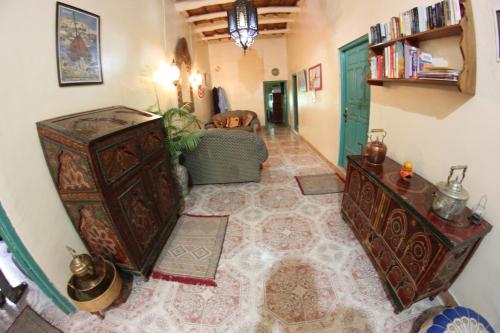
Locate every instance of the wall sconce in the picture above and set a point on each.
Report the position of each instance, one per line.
(167, 75)
(196, 80)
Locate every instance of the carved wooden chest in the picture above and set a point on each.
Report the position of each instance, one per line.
(416, 253)
(114, 177)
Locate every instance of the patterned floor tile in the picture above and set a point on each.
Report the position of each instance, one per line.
(289, 264)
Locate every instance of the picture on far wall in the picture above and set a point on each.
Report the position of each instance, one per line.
(78, 46)
(497, 25)
(315, 78)
(303, 81)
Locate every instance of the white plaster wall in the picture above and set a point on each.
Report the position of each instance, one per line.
(241, 75)
(132, 39)
(435, 127)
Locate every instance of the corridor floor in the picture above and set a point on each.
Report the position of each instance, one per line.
(289, 264)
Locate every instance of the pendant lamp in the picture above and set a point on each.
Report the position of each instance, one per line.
(243, 23)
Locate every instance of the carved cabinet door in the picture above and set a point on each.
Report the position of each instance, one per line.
(139, 222)
(164, 190)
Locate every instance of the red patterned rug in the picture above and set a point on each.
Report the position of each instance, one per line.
(192, 252)
(320, 184)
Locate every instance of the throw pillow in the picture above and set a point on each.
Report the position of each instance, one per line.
(233, 122)
(247, 120)
(218, 123)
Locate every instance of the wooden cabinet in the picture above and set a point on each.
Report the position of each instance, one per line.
(114, 177)
(416, 253)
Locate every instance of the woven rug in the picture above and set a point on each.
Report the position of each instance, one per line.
(30, 321)
(320, 184)
(192, 252)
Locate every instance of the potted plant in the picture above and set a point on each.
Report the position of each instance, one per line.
(183, 134)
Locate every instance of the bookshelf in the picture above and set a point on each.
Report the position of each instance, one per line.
(465, 29)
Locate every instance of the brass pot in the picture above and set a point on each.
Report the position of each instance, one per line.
(90, 286)
(375, 150)
(104, 299)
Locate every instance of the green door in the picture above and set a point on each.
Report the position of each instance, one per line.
(295, 103)
(270, 90)
(355, 98)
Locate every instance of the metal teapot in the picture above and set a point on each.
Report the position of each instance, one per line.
(451, 198)
(375, 150)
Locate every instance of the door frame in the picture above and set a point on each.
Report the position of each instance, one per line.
(295, 101)
(343, 93)
(29, 266)
(285, 97)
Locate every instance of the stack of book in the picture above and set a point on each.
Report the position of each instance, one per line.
(439, 73)
(399, 61)
(404, 61)
(416, 20)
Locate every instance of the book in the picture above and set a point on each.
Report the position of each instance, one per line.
(422, 19)
(400, 60)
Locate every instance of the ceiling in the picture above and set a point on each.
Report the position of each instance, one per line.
(209, 18)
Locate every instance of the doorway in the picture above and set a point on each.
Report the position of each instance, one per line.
(28, 266)
(276, 103)
(355, 98)
(295, 97)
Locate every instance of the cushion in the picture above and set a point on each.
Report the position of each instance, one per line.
(218, 123)
(247, 119)
(233, 122)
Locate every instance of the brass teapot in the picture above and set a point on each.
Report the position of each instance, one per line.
(375, 150)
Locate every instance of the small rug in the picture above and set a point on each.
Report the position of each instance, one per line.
(30, 321)
(192, 252)
(320, 184)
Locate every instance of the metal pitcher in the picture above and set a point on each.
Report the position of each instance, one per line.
(375, 150)
(451, 198)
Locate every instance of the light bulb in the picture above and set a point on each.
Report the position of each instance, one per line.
(167, 75)
(196, 79)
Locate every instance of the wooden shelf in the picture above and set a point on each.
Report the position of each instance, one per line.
(451, 30)
(465, 29)
(380, 82)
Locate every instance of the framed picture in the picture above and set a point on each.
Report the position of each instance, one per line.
(315, 78)
(303, 81)
(497, 25)
(78, 46)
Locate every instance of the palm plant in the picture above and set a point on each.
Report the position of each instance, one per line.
(183, 128)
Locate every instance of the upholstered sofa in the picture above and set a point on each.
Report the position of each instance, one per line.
(226, 157)
(222, 117)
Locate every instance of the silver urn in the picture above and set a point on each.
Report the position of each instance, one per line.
(451, 198)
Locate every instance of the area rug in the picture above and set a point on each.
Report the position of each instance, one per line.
(30, 321)
(320, 184)
(192, 252)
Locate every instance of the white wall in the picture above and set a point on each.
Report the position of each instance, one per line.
(241, 75)
(132, 39)
(435, 127)
(177, 27)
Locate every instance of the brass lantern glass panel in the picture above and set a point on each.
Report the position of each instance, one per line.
(243, 23)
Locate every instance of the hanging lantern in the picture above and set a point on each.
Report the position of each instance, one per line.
(243, 23)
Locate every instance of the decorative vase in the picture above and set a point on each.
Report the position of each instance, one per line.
(182, 176)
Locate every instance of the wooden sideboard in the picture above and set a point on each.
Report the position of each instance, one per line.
(416, 253)
(114, 176)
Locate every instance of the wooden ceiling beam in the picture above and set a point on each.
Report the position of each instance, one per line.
(223, 24)
(263, 32)
(260, 10)
(195, 4)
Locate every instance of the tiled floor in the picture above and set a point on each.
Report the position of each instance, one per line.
(289, 264)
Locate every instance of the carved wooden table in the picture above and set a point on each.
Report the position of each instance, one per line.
(416, 253)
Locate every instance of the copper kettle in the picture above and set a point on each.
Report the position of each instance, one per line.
(375, 150)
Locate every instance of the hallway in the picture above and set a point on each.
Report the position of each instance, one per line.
(289, 264)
